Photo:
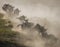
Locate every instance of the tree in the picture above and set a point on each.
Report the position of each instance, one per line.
(8, 8)
(22, 18)
(16, 11)
(8, 38)
(40, 29)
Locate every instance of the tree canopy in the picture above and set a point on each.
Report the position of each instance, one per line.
(7, 36)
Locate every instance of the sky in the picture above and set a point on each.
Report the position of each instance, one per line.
(39, 8)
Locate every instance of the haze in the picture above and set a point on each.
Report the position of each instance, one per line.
(49, 9)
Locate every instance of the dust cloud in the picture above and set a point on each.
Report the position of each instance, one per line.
(34, 31)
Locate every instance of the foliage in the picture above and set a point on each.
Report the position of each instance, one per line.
(7, 36)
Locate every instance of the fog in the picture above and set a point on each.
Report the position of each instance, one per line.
(48, 9)
(40, 8)
(44, 12)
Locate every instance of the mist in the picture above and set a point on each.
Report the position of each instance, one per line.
(43, 12)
